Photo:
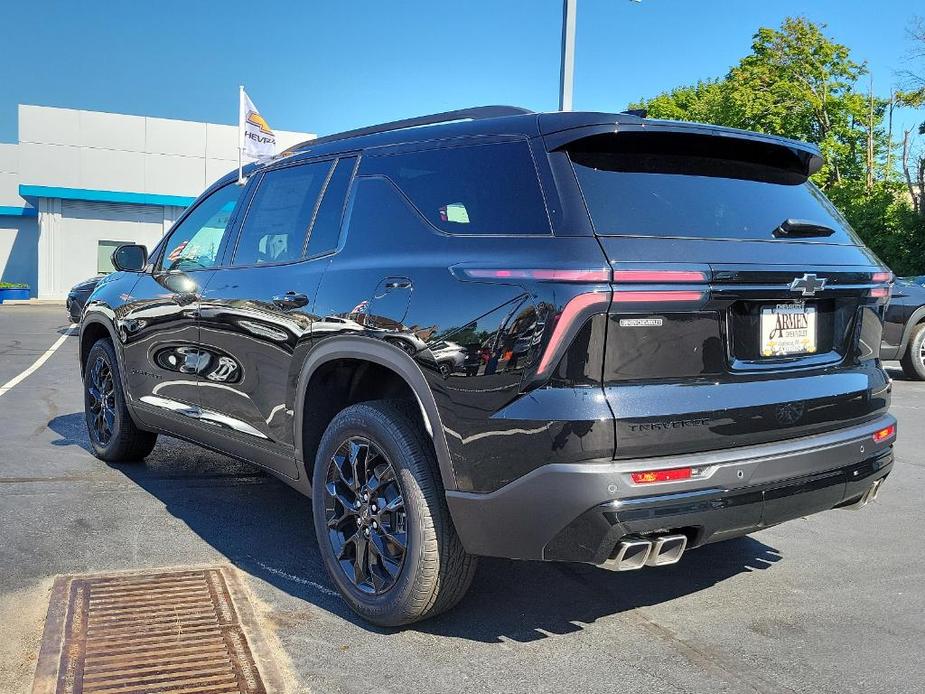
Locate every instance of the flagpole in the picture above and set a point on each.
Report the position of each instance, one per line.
(240, 136)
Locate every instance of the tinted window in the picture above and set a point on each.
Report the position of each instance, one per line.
(195, 242)
(479, 189)
(326, 228)
(685, 193)
(279, 214)
(381, 220)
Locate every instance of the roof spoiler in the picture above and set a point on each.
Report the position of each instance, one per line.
(806, 157)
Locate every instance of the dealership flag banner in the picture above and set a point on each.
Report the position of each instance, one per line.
(257, 140)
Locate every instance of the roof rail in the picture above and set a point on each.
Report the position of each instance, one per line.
(475, 113)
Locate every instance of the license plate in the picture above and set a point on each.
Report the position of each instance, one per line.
(788, 329)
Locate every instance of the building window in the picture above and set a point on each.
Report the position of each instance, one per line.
(104, 251)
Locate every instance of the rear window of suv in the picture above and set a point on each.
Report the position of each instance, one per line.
(479, 189)
(653, 185)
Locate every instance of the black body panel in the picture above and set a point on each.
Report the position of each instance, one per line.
(905, 311)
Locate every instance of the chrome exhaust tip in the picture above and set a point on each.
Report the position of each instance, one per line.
(866, 497)
(667, 549)
(631, 554)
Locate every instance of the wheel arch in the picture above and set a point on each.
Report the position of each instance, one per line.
(917, 317)
(382, 354)
(91, 330)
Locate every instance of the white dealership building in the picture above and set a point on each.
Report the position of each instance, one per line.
(79, 183)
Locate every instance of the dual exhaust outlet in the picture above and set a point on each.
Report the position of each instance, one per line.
(634, 553)
(869, 495)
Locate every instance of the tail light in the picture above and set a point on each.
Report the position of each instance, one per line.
(885, 279)
(630, 285)
(578, 306)
(657, 295)
(636, 276)
(659, 276)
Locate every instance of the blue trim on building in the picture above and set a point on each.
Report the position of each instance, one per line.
(7, 211)
(104, 196)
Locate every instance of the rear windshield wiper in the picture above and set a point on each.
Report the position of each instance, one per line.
(802, 228)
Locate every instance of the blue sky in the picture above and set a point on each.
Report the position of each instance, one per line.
(323, 67)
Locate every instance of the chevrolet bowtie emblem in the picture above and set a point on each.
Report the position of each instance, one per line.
(809, 284)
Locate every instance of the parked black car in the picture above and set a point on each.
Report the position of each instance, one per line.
(904, 326)
(579, 337)
(77, 297)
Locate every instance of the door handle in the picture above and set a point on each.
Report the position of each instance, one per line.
(291, 300)
(398, 283)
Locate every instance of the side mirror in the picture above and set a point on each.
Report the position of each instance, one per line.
(130, 257)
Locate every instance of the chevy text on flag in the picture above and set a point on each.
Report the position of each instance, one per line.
(257, 139)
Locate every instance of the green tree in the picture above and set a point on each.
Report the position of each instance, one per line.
(797, 82)
(884, 219)
(913, 154)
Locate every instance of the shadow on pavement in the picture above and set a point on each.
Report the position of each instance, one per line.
(265, 529)
(897, 374)
(72, 428)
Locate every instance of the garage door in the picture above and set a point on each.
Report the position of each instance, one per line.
(90, 231)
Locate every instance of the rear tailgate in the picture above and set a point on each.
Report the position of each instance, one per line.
(725, 329)
(687, 376)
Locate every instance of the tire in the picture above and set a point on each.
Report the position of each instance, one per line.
(434, 571)
(113, 435)
(913, 361)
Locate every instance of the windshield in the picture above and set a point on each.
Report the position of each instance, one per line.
(654, 191)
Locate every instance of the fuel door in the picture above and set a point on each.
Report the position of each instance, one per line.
(387, 310)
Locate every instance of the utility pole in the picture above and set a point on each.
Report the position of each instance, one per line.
(567, 71)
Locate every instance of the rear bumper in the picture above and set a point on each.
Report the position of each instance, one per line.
(578, 512)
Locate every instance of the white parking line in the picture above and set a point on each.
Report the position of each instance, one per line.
(16, 380)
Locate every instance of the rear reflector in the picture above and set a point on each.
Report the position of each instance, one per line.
(680, 473)
(541, 274)
(667, 295)
(884, 434)
(659, 276)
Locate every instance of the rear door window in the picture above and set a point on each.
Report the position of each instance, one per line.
(278, 217)
(636, 188)
(326, 227)
(485, 189)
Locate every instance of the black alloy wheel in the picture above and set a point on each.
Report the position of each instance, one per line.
(101, 400)
(113, 434)
(381, 519)
(365, 513)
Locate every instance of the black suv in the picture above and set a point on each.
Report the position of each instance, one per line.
(580, 337)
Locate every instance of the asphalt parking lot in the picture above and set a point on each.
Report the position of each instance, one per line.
(831, 603)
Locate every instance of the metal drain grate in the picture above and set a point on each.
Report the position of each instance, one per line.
(176, 632)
